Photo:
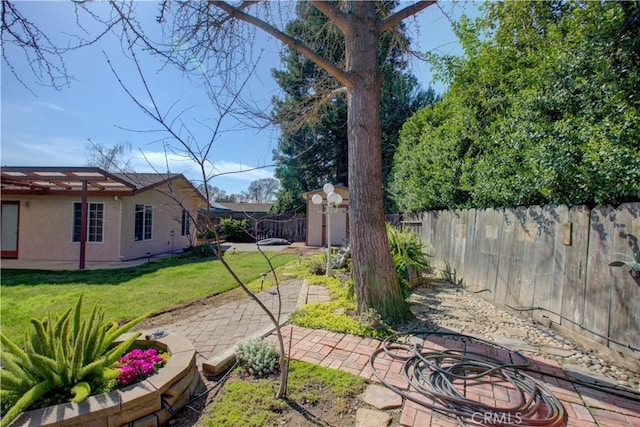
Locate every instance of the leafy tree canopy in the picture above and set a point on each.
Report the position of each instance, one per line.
(312, 114)
(542, 108)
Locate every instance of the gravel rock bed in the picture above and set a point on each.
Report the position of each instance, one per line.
(444, 305)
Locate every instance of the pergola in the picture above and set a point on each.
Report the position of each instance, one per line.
(65, 181)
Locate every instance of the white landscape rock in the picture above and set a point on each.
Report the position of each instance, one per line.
(381, 397)
(372, 418)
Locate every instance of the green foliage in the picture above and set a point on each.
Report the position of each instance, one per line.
(64, 355)
(335, 315)
(304, 383)
(408, 254)
(313, 146)
(201, 251)
(258, 356)
(541, 109)
(317, 265)
(236, 230)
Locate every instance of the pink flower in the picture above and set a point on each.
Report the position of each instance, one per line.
(137, 365)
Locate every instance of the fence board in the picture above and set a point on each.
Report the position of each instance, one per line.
(625, 295)
(459, 242)
(472, 253)
(490, 229)
(574, 274)
(549, 259)
(505, 256)
(598, 289)
(529, 241)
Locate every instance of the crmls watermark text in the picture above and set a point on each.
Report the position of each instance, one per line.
(497, 418)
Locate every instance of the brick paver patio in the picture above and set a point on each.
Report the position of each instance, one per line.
(584, 406)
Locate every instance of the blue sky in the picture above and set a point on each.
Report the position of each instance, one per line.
(53, 127)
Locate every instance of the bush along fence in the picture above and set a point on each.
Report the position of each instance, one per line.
(263, 226)
(551, 263)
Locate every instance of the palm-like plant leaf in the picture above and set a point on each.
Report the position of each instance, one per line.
(64, 354)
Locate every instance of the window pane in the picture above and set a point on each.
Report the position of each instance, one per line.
(185, 223)
(147, 222)
(96, 215)
(143, 222)
(138, 222)
(77, 221)
(95, 222)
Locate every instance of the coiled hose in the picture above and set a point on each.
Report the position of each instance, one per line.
(454, 381)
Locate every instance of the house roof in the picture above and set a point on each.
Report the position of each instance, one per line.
(70, 180)
(246, 207)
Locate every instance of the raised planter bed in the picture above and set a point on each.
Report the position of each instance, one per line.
(149, 403)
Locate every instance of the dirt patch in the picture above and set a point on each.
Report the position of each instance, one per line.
(323, 409)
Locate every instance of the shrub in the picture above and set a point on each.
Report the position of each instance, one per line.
(66, 356)
(318, 265)
(408, 254)
(236, 230)
(259, 357)
(202, 251)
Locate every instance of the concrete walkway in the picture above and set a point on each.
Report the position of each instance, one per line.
(215, 333)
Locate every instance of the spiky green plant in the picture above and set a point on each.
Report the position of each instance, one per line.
(64, 355)
(407, 252)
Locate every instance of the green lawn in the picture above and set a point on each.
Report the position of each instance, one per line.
(123, 293)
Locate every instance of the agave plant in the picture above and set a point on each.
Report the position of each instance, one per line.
(66, 355)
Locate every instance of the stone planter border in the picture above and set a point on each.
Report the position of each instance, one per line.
(149, 403)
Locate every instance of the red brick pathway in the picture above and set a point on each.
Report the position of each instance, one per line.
(584, 406)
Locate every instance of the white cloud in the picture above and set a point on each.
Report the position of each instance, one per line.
(53, 151)
(157, 161)
(51, 106)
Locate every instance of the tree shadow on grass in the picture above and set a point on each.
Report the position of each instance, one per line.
(14, 277)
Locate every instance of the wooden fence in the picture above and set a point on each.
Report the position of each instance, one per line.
(550, 262)
(292, 227)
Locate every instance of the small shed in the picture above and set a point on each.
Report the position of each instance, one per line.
(317, 220)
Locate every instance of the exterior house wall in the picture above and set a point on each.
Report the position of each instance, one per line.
(316, 221)
(46, 224)
(167, 217)
(45, 231)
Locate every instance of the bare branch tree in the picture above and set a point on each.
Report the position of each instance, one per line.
(110, 159)
(45, 56)
(225, 100)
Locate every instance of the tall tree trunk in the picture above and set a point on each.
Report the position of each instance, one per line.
(376, 282)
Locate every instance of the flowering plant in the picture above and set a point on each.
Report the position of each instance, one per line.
(138, 364)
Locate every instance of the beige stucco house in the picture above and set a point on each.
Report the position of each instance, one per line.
(89, 214)
(317, 220)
